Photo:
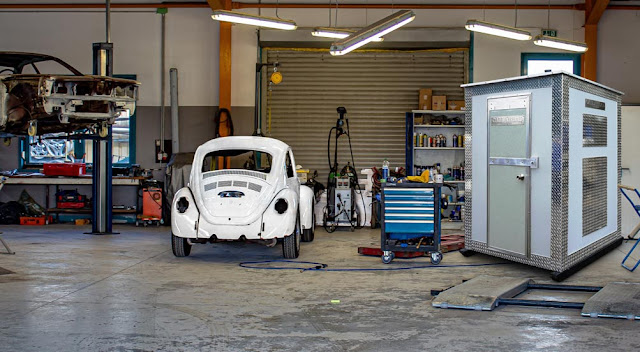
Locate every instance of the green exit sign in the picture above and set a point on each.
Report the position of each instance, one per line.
(550, 32)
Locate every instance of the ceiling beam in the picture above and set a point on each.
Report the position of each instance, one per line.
(216, 4)
(596, 11)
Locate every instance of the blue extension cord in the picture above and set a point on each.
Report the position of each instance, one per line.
(324, 267)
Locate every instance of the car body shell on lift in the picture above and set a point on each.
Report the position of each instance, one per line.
(42, 103)
(212, 216)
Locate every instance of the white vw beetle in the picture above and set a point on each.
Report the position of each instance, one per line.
(256, 196)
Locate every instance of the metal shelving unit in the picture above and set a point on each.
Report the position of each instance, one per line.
(447, 156)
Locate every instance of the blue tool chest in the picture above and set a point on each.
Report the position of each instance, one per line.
(411, 219)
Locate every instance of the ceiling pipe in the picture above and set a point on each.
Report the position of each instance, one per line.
(240, 5)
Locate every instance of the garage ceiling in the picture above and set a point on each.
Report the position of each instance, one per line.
(358, 2)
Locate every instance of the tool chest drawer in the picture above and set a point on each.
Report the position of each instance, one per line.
(409, 210)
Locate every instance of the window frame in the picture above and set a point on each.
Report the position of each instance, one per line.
(25, 163)
(526, 57)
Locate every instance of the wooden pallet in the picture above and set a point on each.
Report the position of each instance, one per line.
(448, 243)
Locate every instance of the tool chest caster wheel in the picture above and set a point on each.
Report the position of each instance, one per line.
(387, 257)
(436, 257)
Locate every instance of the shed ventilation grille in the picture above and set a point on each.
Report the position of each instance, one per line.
(594, 194)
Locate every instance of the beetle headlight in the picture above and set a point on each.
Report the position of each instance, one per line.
(281, 206)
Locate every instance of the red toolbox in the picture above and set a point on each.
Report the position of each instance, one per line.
(65, 169)
(70, 199)
(36, 220)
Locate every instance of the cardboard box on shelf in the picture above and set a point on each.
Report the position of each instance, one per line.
(425, 98)
(455, 104)
(439, 102)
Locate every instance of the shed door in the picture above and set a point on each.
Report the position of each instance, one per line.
(509, 171)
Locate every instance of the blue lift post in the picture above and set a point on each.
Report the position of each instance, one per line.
(102, 213)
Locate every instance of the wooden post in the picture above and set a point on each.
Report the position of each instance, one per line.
(593, 11)
(224, 90)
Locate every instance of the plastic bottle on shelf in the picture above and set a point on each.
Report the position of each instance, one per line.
(385, 171)
(455, 141)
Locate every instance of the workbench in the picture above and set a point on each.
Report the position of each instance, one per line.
(86, 180)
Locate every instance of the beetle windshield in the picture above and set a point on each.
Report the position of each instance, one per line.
(237, 159)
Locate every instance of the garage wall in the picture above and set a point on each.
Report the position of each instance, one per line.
(630, 157)
(191, 46)
(619, 53)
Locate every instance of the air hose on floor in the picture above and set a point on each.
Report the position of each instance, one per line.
(314, 266)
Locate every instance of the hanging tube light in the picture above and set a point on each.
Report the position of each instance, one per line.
(253, 20)
(337, 33)
(497, 29)
(372, 32)
(557, 43)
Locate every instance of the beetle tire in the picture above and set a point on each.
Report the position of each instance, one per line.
(180, 246)
(309, 234)
(291, 243)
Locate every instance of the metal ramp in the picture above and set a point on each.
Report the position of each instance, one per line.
(615, 300)
(480, 293)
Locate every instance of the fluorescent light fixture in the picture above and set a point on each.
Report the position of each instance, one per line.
(338, 33)
(371, 32)
(557, 43)
(253, 20)
(497, 29)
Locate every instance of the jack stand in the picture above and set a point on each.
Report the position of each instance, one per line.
(3, 179)
(9, 251)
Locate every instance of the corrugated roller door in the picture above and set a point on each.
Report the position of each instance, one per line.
(376, 88)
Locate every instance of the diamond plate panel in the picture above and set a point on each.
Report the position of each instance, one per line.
(468, 166)
(594, 194)
(594, 131)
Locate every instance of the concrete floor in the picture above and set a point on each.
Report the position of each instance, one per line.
(76, 292)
